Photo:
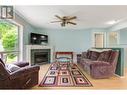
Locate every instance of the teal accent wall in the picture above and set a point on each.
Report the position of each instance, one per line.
(120, 65)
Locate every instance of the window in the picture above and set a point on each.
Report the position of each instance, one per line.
(113, 39)
(9, 43)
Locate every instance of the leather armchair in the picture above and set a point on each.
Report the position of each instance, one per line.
(25, 77)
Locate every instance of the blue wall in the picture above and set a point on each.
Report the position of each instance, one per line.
(27, 28)
(80, 40)
(70, 40)
(123, 36)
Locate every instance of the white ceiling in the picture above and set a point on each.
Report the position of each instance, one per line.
(87, 16)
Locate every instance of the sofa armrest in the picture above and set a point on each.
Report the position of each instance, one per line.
(24, 71)
(99, 63)
(101, 69)
(21, 63)
(4, 74)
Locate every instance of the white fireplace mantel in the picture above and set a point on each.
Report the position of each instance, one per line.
(30, 47)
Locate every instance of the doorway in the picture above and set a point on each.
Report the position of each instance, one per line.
(98, 40)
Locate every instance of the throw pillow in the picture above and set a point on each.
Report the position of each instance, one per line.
(104, 56)
(113, 57)
(94, 55)
(84, 54)
(11, 67)
(89, 54)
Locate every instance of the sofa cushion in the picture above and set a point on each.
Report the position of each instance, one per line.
(104, 56)
(89, 54)
(84, 54)
(94, 55)
(11, 67)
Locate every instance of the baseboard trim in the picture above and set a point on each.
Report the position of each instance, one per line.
(119, 76)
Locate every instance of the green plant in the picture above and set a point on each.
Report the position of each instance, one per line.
(8, 35)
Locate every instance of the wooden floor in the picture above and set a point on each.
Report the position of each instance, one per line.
(114, 82)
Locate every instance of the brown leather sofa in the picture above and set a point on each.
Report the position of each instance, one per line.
(25, 77)
(99, 64)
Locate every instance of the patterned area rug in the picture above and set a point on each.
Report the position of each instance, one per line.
(64, 75)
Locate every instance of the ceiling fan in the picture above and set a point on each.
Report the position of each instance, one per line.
(65, 20)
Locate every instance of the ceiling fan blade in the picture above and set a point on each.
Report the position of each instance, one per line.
(58, 17)
(72, 23)
(74, 17)
(55, 21)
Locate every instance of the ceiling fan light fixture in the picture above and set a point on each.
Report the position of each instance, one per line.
(65, 20)
(63, 24)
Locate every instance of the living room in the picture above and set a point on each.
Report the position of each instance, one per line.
(89, 28)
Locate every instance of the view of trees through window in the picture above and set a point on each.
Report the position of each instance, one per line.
(9, 40)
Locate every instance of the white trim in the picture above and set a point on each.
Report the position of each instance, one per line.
(118, 38)
(21, 43)
(119, 76)
(20, 35)
(124, 62)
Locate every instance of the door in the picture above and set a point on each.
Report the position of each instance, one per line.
(98, 40)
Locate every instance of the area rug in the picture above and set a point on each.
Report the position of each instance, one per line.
(63, 74)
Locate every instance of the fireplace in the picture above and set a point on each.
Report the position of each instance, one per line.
(40, 56)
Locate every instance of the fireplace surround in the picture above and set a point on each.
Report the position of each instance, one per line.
(39, 54)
